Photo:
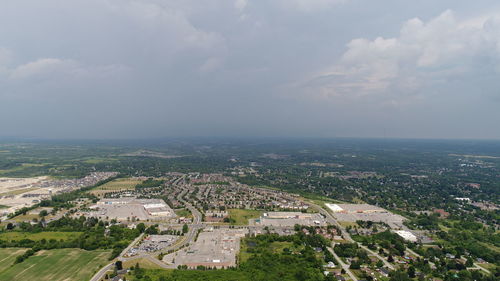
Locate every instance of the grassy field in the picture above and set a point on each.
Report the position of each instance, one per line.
(183, 213)
(348, 223)
(275, 247)
(116, 185)
(241, 216)
(15, 235)
(58, 265)
(8, 256)
(97, 160)
(27, 217)
(143, 263)
(196, 275)
(20, 168)
(19, 191)
(3, 207)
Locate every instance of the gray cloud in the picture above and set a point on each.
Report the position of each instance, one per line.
(150, 68)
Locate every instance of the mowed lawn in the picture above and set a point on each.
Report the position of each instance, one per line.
(117, 185)
(241, 216)
(8, 256)
(17, 235)
(58, 265)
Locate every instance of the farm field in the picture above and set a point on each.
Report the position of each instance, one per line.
(79, 265)
(8, 256)
(241, 216)
(116, 185)
(14, 235)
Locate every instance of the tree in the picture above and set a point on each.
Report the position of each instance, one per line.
(141, 227)
(185, 229)
(119, 265)
(43, 213)
(399, 276)
(390, 258)
(411, 272)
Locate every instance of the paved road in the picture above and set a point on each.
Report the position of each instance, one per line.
(343, 265)
(100, 274)
(386, 263)
(331, 220)
(347, 236)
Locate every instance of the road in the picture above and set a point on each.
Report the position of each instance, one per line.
(386, 263)
(100, 274)
(347, 236)
(331, 220)
(343, 265)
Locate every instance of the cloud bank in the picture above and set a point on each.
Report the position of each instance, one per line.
(323, 68)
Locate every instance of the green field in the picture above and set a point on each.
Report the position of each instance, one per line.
(183, 213)
(8, 256)
(21, 167)
(19, 191)
(116, 185)
(241, 216)
(15, 235)
(275, 247)
(57, 265)
(196, 275)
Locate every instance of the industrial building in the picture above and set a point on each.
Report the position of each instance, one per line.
(354, 208)
(406, 235)
(289, 219)
(127, 208)
(214, 248)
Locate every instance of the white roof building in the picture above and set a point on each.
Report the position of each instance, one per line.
(406, 235)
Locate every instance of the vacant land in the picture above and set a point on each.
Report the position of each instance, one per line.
(183, 213)
(14, 235)
(57, 265)
(19, 191)
(241, 216)
(8, 256)
(116, 185)
(196, 275)
(143, 263)
(275, 247)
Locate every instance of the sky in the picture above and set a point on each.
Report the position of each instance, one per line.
(278, 68)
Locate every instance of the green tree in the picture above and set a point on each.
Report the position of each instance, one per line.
(141, 227)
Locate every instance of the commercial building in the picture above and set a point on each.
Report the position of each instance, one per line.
(406, 235)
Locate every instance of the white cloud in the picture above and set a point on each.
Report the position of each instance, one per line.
(311, 5)
(210, 65)
(240, 4)
(398, 70)
(45, 66)
(54, 68)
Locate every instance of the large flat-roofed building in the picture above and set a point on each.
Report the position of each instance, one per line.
(289, 219)
(131, 208)
(365, 212)
(288, 215)
(214, 248)
(406, 235)
(354, 208)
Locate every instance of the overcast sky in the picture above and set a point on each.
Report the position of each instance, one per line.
(319, 68)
